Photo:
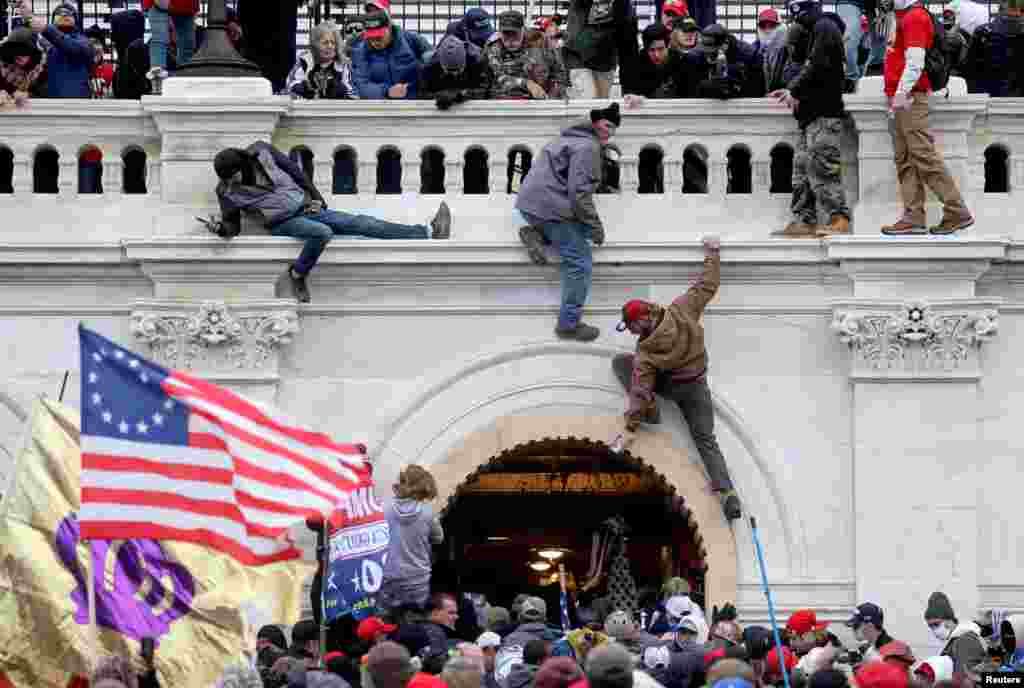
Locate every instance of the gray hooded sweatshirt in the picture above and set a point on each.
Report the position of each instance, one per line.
(413, 528)
(561, 184)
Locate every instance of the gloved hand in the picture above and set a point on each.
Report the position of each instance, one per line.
(444, 100)
(597, 235)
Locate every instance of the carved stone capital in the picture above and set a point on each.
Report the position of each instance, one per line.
(916, 340)
(240, 343)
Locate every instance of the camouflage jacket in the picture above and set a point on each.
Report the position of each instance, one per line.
(513, 68)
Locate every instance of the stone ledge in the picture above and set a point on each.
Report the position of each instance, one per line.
(918, 248)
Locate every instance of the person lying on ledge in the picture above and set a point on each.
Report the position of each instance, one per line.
(264, 181)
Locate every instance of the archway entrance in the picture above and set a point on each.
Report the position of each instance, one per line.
(550, 496)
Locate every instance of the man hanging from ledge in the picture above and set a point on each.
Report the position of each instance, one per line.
(671, 360)
(264, 181)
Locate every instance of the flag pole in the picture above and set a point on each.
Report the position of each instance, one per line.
(90, 591)
(771, 606)
(321, 562)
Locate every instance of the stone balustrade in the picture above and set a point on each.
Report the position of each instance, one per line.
(684, 163)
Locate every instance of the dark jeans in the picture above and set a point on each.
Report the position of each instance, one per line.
(572, 239)
(319, 228)
(694, 400)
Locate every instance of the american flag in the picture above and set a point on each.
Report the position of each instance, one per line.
(563, 600)
(167, 456)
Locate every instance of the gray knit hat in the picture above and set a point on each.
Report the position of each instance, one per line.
(610, 666)
(451, 53)
(939, 607)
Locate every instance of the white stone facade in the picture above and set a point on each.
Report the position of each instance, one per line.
(866, 387)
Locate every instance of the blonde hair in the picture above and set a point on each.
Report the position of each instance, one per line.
(462, 672)
(415, 482)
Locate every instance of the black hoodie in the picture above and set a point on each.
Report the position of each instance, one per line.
(819, 86)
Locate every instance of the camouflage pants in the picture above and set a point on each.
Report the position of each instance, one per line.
(817, 182)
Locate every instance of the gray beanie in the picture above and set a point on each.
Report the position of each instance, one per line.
(610, 666)
(451, 53)
(939, 607)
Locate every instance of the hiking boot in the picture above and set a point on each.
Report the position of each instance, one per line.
(797, 230)
(839, 224)
(533, 240)
(904, 227)
(581, 333)
(441, 225)
(299, 288)
(951, 225)
(730, 505)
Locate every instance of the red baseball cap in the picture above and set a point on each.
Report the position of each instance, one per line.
(769, 14)
(370, 627)
(633, 310)
(379, 4)
(804, 621)
(377, 25)
(881, 675)
(771, 661)
(677, 8)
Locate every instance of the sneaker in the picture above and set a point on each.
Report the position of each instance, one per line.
(533, 240)
(441, 225)
(903, 228)
(798, 230)
(581, 333)
(839, 224)
(299, 288)
(731, 505)
(950, 225)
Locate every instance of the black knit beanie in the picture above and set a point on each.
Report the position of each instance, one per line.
(610, 113)
(229, 161)
(939, 607)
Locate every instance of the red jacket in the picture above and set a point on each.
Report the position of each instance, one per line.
(914, 29)
(179, 8)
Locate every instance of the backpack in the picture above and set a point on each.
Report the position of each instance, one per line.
(936, 58)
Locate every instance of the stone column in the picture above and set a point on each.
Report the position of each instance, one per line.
(914, 321)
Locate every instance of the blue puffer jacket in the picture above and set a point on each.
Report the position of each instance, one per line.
(68, 61)
(375, 71)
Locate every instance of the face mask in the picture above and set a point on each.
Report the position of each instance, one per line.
(941, 632)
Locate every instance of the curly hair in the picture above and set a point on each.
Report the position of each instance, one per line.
(415, 482)
(115, 668)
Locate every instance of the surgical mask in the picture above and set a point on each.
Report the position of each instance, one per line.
(941, 632)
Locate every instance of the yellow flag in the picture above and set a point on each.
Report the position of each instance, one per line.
(198, 604)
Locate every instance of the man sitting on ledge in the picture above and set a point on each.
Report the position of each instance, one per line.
(263, 180)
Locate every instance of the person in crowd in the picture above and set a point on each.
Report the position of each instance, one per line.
(769, 28)
(101, 76)
(996, 53)
(600, 36)
(609, 666)
(725, 631)
(919, 165)
(235, 31)
(657, 70)
(161, 14)
(673, 11)
(867, 628)
(386, 63)
(850, 12)
(457, 72)
(134, 78)
(578, 643)
(532, 627)
(678, 662)
(389, 665)
(671, 360)
(621, 628)
(551, 27)
(729, 668)
(815, 97)
(270, 30)
(1011, 637)
(773, 665)
(897, 653)
(725, 67)
(461, 672)
(556, 202)
(489, 642)
(962, 640)
(685, 36)
(881, 675)
(557, 672)
(679, 607)
(523, 674)
(322, 72)
(803, 632)
(22, 69)
(933, 670)
(373, 631)
(414, 529)
(499, 620)
(519, 72)
(306, 642)
(958, 43)
(818, 659)
(264, 181)
(442, 615)
(69, 57)
(784, 58)
(475, 27)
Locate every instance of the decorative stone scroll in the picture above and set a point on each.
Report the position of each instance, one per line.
(214, 338)
(916, 340)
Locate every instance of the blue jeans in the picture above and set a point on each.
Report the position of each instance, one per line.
(160, 30)
(573, 242)
(317, 229)
(850, 14)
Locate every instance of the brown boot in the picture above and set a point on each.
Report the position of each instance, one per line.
(951, 225)
(904, 227)
(797, 230)
(839, 224)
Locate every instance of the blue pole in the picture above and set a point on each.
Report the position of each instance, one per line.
(771, 607)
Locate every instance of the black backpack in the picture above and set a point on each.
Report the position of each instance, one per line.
(936, 58)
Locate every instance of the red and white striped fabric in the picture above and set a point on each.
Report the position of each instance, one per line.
(188, 460)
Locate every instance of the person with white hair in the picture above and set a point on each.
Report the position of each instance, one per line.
(323, 71)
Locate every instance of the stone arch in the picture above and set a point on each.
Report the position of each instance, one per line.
(651, 169)
(476, 170)
(782, 155)
(997, 169)
(469, 411)
(739, 169)
(714, 538)
(432, 170)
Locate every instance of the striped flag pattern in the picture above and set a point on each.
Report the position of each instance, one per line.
(167, 456)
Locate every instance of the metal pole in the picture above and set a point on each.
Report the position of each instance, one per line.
(771, 607)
